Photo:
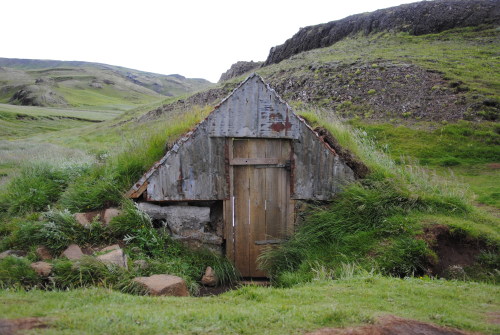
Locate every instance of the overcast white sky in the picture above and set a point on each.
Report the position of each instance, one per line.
(193, 38)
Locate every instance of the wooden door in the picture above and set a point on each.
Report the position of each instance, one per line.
(260, 208)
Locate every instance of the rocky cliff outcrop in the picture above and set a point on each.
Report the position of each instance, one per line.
(239, 68)
(416, 18)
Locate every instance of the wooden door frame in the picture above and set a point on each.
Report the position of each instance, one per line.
(228, 204)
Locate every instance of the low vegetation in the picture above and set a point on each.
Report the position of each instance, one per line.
(351, 300)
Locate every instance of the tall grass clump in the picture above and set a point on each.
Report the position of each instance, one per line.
(56, 230)
(17, 272)
(37, 186)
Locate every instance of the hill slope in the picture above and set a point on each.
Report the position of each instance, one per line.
(420, 18)
(88, 85)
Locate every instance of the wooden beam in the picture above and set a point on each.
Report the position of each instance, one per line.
(136, 194)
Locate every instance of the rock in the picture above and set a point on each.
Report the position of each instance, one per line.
(95, 84)
(209, 278)
(38, 95)
(42, 268)
(109, 214)
(43, 252)
(179, 218)
(116, 257)
(239, 68)
(82, 219)
(72, 252)
(17, 253)
(110, 248)
(164, 285)
(140, 264)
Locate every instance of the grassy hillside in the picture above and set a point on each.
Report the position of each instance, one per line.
(86, 85)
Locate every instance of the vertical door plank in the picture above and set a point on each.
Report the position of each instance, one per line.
(228, 209)
(257, 213)
(241, 205)
(273, 150)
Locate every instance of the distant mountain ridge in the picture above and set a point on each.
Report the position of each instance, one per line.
(418, 18)
(62, 83)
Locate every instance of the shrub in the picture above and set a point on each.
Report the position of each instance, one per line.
(89, 271)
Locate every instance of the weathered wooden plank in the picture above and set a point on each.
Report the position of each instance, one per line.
(132, 193)
(242, 210)
(229, 210)
(257, 218)
(273, 192)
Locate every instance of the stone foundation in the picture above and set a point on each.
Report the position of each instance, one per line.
(198, 225)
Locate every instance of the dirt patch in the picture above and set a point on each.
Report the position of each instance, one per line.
(494, 318)
(13, 326)
(454, 252)
(91, 215)
(206, 291)
(392, 325)
(493, 166)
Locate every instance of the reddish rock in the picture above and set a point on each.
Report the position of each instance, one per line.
(72, 252)
(82, 219)
(115, 256)
(209, 278)
(42, 268)
(164, 285)
(43, 252)
(109, 214)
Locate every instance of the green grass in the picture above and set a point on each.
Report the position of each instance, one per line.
(462, 143)
(469, 150)
(18, 122)
(257, 310)
(105, 98)
(86, 114)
